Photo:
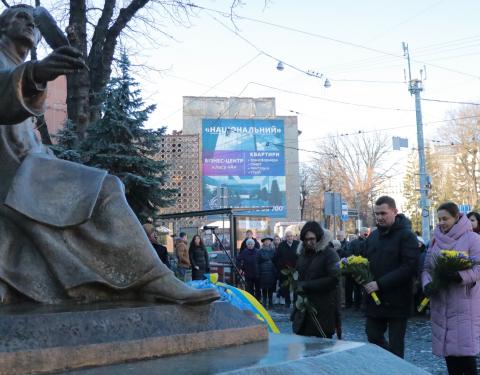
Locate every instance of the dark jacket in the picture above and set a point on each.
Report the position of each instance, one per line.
(266, 269)
(247, 261)
(318, 277)
(199, 257)
(286, 256)
(343, 251)
(162, 253)
(243, 245)
(356, 247)
(393, 256)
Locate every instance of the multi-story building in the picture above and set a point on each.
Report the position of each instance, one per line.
(248, 157)
(181, 152)
(56, 105)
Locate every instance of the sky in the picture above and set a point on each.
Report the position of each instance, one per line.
(356, 45)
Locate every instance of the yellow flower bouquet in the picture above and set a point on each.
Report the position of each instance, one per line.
(359, 268)
(447, 262)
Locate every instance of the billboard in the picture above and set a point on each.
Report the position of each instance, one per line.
(243, 165)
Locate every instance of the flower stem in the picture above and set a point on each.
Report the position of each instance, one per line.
(375, 298)
(423, 304)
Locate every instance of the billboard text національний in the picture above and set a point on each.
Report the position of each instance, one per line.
(243, 165)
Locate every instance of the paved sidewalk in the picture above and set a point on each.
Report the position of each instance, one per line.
(418, 339)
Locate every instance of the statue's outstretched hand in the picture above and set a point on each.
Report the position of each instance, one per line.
(63, 60)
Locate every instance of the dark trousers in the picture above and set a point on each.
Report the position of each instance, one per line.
(376, 328)
(267, 295)
(461, 365)
(252, 286)
(353, 292)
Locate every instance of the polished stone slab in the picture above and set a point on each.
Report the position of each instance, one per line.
(41, 339)
(282, 355)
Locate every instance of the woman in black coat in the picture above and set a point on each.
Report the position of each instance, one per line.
(198, 258)
(318, 277)
(267, 271)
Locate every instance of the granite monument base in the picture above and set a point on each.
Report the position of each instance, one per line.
(281, 355)
(42, 339)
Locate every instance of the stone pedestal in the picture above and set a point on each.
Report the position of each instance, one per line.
(42, 339)
(281, 355)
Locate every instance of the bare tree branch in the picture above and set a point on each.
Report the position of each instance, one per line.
(358, 170)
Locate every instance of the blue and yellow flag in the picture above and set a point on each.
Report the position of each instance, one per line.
(247, 302)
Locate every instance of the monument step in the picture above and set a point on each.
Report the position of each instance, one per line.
(281, 355)
(41, 339)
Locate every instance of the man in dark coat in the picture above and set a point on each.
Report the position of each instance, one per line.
(353, 290)
(318, 277)
(392, 251)
(267, 271)
(343, 251)
(248, 263)
(286, 257)
(249, 235)
(161, 250)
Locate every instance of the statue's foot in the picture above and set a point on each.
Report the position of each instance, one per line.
(5, 293)
(169, 289)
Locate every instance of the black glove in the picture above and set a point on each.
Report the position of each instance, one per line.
(299, 288)
(429, 291)
(452, 277)
(359, 280)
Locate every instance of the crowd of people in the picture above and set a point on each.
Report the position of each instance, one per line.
(303, 271)
(401, 264)
(398, 260)
(261, 266)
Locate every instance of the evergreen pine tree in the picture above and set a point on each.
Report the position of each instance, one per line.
(66, 143)
(120, 144)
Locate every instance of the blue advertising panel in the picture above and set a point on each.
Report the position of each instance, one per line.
(243, 165)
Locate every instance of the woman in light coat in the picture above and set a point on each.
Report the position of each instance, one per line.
(455, 311)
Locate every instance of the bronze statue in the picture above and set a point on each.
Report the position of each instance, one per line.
(66, 230)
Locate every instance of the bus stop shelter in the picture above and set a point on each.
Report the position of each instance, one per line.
(229, 213)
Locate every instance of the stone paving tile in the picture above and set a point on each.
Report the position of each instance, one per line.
(418, 339)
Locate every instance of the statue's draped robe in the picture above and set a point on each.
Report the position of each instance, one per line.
(66, 230)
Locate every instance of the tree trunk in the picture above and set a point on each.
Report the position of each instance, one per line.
(78, 85)
(41, 123)
(43, 130)
(101, 59)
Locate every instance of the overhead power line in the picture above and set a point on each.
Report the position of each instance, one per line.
(449, 101)
(411, 17)
(394, 127)
(331, 100)
(218, 83)
(331, 39)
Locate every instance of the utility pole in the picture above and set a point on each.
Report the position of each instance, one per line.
(415, 87)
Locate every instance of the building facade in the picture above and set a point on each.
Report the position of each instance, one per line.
(181, 152)
(248, 156)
